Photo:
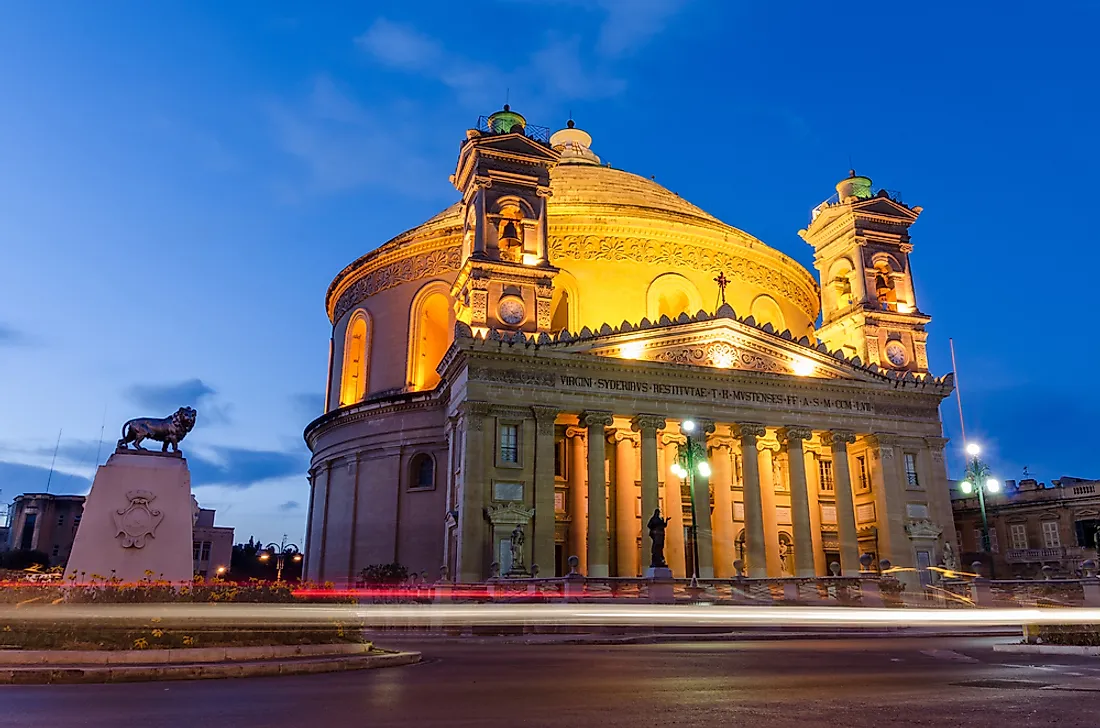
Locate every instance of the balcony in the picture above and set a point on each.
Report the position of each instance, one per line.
(1042, 556)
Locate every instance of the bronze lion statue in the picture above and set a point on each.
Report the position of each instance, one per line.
(169, 430)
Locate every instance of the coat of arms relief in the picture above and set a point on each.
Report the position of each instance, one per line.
(138, 521)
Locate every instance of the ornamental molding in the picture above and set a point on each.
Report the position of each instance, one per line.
(512, 376)
(138, 521)
(686, 255)
(509, 514)
(648, 423)
(405, 269)
(923, 529)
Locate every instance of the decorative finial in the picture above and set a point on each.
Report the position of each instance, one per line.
(722, 282)
(570, 124)
(509, 108)
(851, 172)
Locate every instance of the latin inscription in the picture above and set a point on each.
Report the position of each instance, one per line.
(716, 394)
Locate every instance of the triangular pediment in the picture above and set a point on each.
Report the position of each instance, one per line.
(881, 205)
(517, 144)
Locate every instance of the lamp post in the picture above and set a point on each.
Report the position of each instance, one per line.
(281, 551)
(692, 458)
(977, 477)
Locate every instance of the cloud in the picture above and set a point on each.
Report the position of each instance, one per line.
(10, 336)
(629, 24)
(242, 467)
(401, 46)
(308, 406)
(20, 478)
(163, 399)
(290, 506)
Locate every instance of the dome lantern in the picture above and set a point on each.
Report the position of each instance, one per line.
(507, 121)
(854, 186)
(574, 145)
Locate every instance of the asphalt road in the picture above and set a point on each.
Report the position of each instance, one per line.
(845, 682)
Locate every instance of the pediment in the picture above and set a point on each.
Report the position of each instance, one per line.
(881, 205)
(517, 144)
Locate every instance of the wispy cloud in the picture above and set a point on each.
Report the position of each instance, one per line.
(290, 506)
(10, 336)
(242, 467)
(308, 406)
(22, 478)
(167, 398)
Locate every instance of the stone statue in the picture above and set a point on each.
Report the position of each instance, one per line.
(517, 549)
(656, 528)
(169, 430)
(950, 558)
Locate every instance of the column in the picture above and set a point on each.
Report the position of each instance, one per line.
(578, 503)
(626, 520)
(700, 500)
(319, 524)
(813, 490)
(596, 422)
(306, 555)
(647, 426)
(544, 231)
(545, 515)
(839, 440)
(767, 500)
(792, 438)
(480, 185)
(472, 534)
(725, 550)
(755, 551)
(888, 487)
(674, 507)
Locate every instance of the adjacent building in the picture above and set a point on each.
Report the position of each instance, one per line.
(213, 545)
(1031, 525)
(45, 522)
(537, 357)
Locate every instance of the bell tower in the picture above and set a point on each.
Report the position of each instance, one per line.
(861, 252)
(503, 173)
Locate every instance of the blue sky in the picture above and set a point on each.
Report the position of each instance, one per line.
(180, 181)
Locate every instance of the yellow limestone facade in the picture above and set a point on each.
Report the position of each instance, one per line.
(529, 358)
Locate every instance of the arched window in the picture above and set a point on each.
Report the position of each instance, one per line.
(670, 295)
(431, 328)
(356, 370)
(422, 471)
(564, 308)
(765, 310)
(884, 285)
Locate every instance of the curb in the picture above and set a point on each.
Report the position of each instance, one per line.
(75, 674)
(187, 655)
(1048, 649)
(644, 639)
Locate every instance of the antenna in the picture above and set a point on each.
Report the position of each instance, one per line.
(55, 447)
(103, 424)
(958, 391)
(507, 95)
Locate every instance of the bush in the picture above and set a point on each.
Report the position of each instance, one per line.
(18, 560)
(383, 575)
(1079, 635)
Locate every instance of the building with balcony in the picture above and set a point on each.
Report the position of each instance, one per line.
(1031, 525)
(46, 523)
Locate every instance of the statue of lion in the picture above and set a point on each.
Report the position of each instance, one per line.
(169, 430)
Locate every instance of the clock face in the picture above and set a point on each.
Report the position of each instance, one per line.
(895, 352)
(511, 310)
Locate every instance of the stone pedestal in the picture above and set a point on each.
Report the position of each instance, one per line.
(660, 584)
(137, 522)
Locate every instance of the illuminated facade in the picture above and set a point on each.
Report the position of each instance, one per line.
(528, 357)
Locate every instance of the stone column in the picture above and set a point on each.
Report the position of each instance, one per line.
(767, 499)
(647, 426)
(722, 519)
(578, 503)
(756, 552)
(813, 490)
(596, 422)
(674, 507)
(544, 231)
(839, 440)
(888, 487)
(792, 438)
(480, 184)
(319, 523)
(626, 522)
(545, 515)
(700, 499)
(307, 556)
(472, 533)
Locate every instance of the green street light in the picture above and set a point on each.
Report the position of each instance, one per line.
(978, 478)
(692, 459)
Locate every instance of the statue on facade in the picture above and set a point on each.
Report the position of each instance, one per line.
(656, 528)
(168, 430)
(950, 558)
(516, 548)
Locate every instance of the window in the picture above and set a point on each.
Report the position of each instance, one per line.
(911, 470)
(76, 519)
(864, 476)
(60, 522)
(825, 474)
(27, 538)
(993, 545)
(559, 459)
(509, 443)
(1051, 537)
(196, 548)
(431, 327)
(353, 385)
(422, 471)
(1018, 533)
(978, 546)
(205, 554)
(56, 550)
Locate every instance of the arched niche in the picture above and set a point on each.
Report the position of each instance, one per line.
(565, 305)
(839, 287)
(765, 309)
(422, 471)
(431, 328)
(671, 294)
(355, 371)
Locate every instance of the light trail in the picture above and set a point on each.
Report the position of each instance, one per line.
(578, 615)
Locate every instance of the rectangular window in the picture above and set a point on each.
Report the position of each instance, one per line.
(60, 521)
(76, 519)
(993, 545)
(1018, 532)
(977, 539)
(1051, 537)
(911, 470)
(196, 547)
(205, 555)
(56, 549)
(27, 538)
(509, 443)
(825, 474)
(864, 476)
(560, 460)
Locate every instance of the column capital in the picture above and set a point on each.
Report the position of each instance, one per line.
(748, 431)
(936, 443)
(721, 441)
(703, 427)
(575, 431)
(474, 413)
(882, 445)
(838, 439)
(615, 435)
(596, 418)
(794, 435)
(671, 438)
(647, 423)
(544, 418)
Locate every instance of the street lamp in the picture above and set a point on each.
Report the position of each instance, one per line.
(281, 551)
(692, 459)
(977, 477)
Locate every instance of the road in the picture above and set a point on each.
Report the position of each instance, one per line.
(839, 682)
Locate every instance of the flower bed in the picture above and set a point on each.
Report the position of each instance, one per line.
(1078, 635)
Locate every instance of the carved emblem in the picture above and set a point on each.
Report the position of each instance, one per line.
(923, 529)
(138, 521)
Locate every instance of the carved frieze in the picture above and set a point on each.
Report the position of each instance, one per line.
(413, 268)
(512, 376)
